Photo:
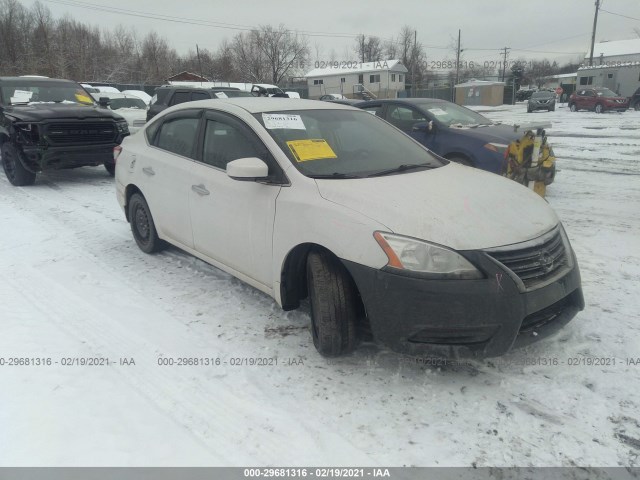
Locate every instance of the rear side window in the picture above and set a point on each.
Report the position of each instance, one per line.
(178, 135)
(180, 97)
(160, 96)
(199, 96)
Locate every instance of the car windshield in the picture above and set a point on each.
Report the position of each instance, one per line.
(117, 103)
(451, 114)
(344, 143)
(542, 95)
(605, 92)
(29, 91)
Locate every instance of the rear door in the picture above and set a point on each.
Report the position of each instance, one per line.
(166, 171)
(233, 220)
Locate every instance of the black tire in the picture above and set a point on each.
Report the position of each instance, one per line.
(461, 160)
(528, 110)
(598, 108)
(636, 106)
(13, 167)
(572, 107)
(111, 168)
(333, 299)
(142, 226)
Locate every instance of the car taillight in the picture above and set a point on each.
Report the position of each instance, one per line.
(117, 150)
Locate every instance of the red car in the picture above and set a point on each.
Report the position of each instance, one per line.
(597, 99)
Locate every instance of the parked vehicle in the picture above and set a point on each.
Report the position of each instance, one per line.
(142, 95)
(293, 94)
(346, 101)
(89, 88)
(267, 90)
(106, 89)
(317, 199)
(525, 94)
(50, 124)
(170, 95)
(332, 96)
(456, 133)
(598, 99)
(634, 101)
(542, 100)
(132, 108)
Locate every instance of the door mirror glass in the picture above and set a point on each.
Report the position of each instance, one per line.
(248, 169)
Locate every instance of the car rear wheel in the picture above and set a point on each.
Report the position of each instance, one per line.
(15, 171)
(142, 226)
(333, 299)
(111, 168)
(573, 107)
(637, 106)
(598, 108)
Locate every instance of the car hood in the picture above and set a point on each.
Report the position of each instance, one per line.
(492, 133)
(58, 111)
(456, 206)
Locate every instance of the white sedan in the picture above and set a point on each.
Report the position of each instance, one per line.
(313, 199)
(131, 107)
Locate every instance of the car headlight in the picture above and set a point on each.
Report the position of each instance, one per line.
(496, 147)
(122, 126)
(427, 259)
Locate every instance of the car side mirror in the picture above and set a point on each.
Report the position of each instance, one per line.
(248, 169)
(426, 127)
(104, 101)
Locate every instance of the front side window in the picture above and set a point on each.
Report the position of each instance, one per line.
(224, 143)
(178, 135)
(342, 143)
(404, 117)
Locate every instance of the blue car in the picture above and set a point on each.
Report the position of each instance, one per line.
(449, 130)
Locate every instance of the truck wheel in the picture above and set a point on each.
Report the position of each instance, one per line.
(13, 167)
(598, 108)
(333, 299)
(142, 226)
(573, 107)
(111, 168)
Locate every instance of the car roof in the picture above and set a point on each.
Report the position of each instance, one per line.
(199, 87)
(116, 95)
(264, 104)
(410, 101)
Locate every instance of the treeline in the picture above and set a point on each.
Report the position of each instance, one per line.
(33, 42)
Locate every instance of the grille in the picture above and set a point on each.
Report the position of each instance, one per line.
(81, 132)
(538, 263)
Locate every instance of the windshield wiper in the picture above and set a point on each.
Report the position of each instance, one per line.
(334, 175)
(401, 168)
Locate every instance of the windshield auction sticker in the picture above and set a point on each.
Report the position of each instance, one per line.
(312, 149)
(280, 120)
(437, 112)
(20, 96)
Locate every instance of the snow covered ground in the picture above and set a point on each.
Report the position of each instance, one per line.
(74, 285)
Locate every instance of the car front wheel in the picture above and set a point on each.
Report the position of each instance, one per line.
(111, 168)
(142, 226)
(15, 171)
(573, 107)
(333, 299)
(598, 108)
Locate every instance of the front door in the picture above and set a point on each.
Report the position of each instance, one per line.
(233, 220)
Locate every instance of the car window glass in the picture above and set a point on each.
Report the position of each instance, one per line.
(224, 142)
(178, 135)
(373, 109)
(200, 96)
(180, 97)
(403, 117)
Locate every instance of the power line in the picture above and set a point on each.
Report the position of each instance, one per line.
(619, 15)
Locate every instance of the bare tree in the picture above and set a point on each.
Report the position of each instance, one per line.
(368, 49)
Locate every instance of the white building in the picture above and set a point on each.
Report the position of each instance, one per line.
(383, 79)
(607, 53)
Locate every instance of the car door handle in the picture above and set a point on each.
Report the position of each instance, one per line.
(148, 171)
(200, 189)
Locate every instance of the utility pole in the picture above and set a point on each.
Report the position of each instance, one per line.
(413, 63)
(362, 48)
(199, 62)
(504, 63)
(593, 32)
(458, 60)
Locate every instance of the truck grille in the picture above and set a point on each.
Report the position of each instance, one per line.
(69, 133)
(544, 260)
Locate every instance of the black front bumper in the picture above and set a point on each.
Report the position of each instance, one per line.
(464, 318)
(37, 158)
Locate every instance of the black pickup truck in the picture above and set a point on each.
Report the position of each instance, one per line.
(48, 124)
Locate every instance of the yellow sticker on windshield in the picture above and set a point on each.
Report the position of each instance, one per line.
(312, 149)
(82, 98)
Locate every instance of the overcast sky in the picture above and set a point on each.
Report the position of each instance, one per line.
(547, 26)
